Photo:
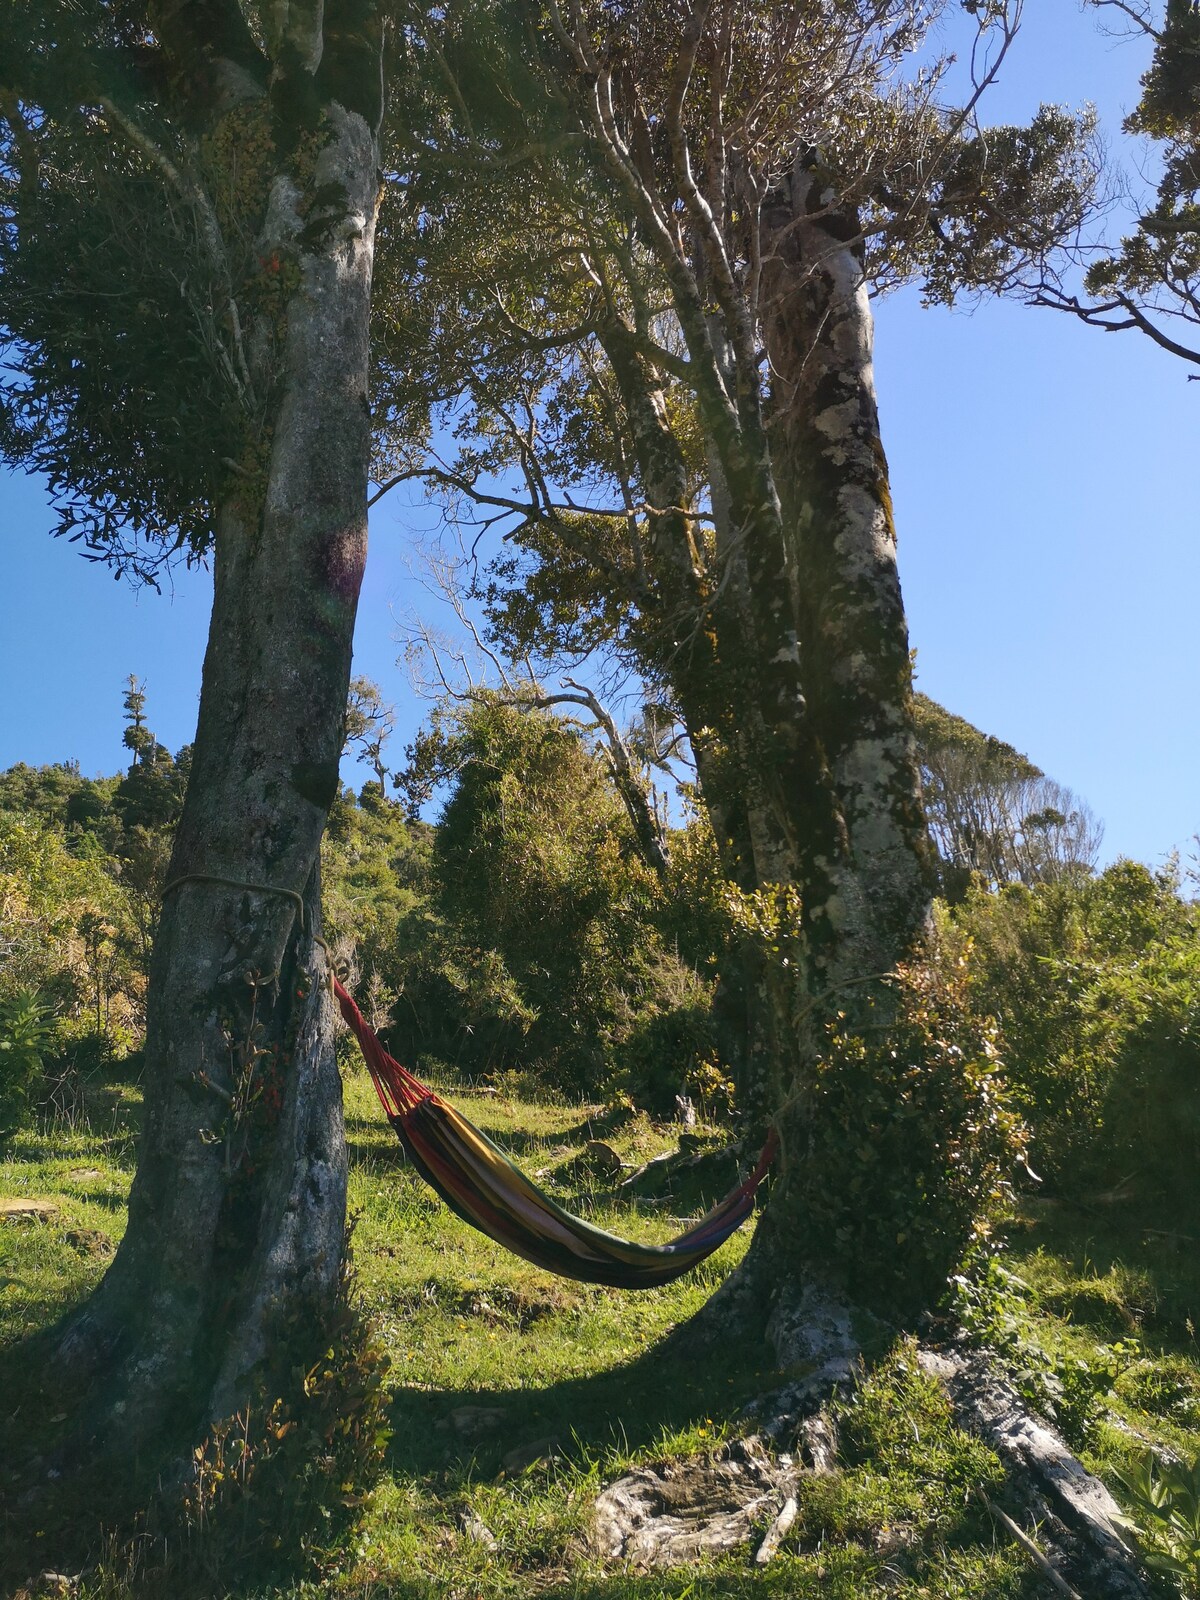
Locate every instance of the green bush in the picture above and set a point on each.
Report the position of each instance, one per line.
(547, 945)
(1148, 1122)
(668, 1049)
(909, 1139)
(1096, 984)
(26, 1031)
(70, 926)
(375, 882)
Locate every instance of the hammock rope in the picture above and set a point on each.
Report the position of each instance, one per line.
(483, 1187)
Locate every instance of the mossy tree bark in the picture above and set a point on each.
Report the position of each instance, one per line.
(237, 1213)
(787, 650)
(833, 479)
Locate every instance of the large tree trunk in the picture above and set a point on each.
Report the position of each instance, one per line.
(865, 892)
(788, 656)
(832, 475)
(237, 1215)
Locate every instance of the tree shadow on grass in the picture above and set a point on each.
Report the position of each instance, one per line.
(116, 1203)
(466, 1434)
(375, 1155)
(902, 1514)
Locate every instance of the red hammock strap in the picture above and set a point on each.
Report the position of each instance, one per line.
(770, 1150)
(399, 1092)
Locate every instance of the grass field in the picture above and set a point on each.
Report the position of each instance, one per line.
(514, 1395)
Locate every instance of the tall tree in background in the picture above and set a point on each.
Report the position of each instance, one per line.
(676, 369)
(137, 736)
(993, 815)
(370, 724)
(189, 197)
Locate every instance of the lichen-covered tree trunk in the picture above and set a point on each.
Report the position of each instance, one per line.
(787, 651)
(237, 1214)
(833, 482)
(865, 892)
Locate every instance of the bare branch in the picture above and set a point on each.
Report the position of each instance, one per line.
(1139, 15)
(1102, 314)
(635, 797)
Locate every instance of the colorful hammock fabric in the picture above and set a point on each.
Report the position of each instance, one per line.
(482, 1185)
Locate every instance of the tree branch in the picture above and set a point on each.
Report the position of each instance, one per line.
(1138, 15)
(194, 192)
(1097, 316)
(28, 163)
(647, 827)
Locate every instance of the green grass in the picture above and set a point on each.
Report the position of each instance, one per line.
(47, 1266)
(1105, 1288)
(491, 1356)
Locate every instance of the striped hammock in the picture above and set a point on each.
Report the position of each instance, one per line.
(482, 1185)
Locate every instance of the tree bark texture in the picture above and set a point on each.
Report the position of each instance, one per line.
(833, 480)
(787, 649)
(237, 1213)
(866, 878)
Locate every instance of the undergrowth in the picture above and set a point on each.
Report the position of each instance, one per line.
(511, 1396)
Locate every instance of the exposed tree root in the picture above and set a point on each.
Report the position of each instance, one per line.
(1077, 1517)
(678, 1511)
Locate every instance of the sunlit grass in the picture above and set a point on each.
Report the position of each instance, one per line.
(47, 1265)
(1106, 1289)
(515, 1395)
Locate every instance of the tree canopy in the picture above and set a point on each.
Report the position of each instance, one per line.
(1151, 280)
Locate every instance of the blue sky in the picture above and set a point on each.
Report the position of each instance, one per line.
(1045, 480)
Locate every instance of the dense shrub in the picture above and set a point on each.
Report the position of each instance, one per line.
(374, 879)
(25, 1033)
(73, 933)
(1096, 985)
(547, 946)
(670, 1047)
(909, 1141)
